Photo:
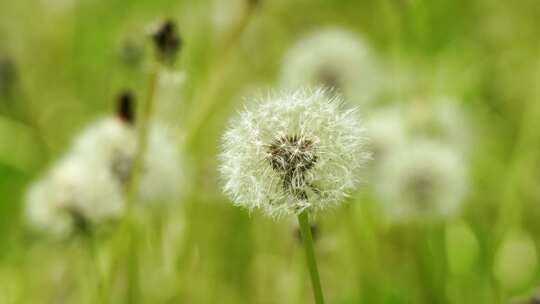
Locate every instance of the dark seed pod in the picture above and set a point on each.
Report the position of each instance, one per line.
(167, 42)
(125, 109)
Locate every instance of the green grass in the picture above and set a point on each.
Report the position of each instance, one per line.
(205, 250)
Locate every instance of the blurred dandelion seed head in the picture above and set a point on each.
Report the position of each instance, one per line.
(164, 175)
(74, 193)
(335, 59)
(423, 180)
(441, 120)
(109, 141)
(386, 131)
(293, 151)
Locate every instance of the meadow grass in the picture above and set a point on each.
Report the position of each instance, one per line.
(70, 64)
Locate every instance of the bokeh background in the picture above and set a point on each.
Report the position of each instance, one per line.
(62, 63)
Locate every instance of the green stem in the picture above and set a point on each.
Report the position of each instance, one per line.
(133, 268)
(310, 257)
(144, 130)
(102, 283)
(128, 226)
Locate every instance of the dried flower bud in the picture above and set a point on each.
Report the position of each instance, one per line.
(126, 107)
(167, 42)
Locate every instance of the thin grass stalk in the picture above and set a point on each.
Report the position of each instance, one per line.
(102, 277)
(207, 99)
(127, 228)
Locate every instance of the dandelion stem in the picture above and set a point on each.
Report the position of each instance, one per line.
(310, 256)
(142, 139)
(133, 186)
(102, 284)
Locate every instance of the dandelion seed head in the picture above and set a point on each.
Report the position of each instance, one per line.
(112, 144)
(423, 180)
(335, 59)
(293, 151)
(164, 173)
(441, 120)
(109, 141)
(169, 95)
(74, 196)
(386, 131)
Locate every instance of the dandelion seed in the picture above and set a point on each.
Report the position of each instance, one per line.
(335, 59)
(423, 180)
(293, 152)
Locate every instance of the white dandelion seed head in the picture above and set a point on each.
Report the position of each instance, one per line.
(164, 175)
(111, 142)
(74, 191)
(386, 132)
(423, 180)
(42, 210)
(335, 59)
(168, 99)
(291, 152)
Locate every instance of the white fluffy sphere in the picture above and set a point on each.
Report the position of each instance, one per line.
(75, 193)
(291, 152)
(335, 59)
(423, 180)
